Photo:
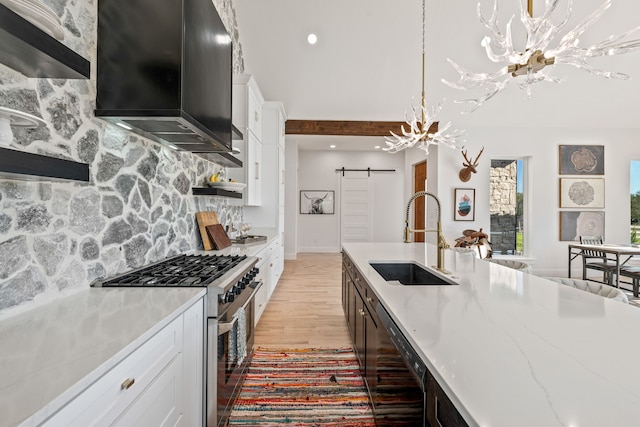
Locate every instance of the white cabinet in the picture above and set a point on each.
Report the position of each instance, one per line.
(151, 386)
(269, 214)
(281, 175)
(160, 405)
(193, 369)
(254, 172)
(261, 300)
(248, 118)
(276, 265)
(247, 104)
(271, 264)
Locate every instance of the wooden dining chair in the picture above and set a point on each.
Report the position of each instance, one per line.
(595, 260)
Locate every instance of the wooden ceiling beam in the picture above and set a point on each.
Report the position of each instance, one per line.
(346, 127)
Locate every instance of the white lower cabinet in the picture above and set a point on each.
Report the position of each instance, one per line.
(271, 264)
(161, 403)
(261, 300)
(193, 381)
(276, 266)
(153, 386)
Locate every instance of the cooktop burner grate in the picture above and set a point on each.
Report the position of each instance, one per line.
(182, 270)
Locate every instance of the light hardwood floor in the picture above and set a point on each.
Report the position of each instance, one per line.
(305, 310)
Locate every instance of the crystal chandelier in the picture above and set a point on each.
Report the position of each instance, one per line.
(420, 119)
(532, 64)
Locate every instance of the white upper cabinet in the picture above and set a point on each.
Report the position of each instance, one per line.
(248, 118)
(269, 214)
(247, 104)
(254, 171)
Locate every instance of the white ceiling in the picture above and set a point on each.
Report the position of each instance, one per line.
(366, 64)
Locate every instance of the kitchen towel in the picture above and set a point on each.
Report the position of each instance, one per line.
(241, 334)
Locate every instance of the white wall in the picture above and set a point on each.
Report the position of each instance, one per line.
(316, 171)
(550, 253)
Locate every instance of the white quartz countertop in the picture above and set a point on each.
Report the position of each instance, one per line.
(512, 349)
(48, 355)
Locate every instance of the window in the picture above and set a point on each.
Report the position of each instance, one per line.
(507, 206)
(634, 186)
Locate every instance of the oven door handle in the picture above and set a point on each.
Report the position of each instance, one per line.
(224, 328)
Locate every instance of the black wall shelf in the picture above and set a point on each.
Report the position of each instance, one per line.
(207, 191)
(29, 50)
(21, 165)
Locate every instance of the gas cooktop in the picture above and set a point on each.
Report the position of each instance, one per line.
(179, 271)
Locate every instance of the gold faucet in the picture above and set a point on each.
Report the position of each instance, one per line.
(442, 244)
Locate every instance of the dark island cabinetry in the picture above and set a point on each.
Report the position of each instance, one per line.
(397, 397)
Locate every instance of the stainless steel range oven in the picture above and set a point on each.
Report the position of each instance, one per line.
(229, 313)
(234, 344)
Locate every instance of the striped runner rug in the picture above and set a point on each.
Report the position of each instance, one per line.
(304, 387)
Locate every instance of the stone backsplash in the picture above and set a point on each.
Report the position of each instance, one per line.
(57, 237)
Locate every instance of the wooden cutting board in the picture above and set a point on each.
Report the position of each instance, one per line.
(219, 236)
(204, 219)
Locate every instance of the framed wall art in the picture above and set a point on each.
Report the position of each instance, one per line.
(464, 204)
(316, 202)
(581, 159)
(574, 224)
(582, 193)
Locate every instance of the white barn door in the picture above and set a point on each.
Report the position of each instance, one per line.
(356, 208)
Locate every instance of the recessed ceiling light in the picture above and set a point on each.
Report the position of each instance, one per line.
(312, 39)
(332, 146)
(377, 147)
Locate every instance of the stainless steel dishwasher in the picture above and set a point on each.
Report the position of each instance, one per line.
(402, 378)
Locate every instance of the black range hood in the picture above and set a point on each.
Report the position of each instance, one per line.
(164, 70)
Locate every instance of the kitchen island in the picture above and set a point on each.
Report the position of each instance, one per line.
(509, 348)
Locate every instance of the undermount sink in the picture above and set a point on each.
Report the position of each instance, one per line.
(408, 273)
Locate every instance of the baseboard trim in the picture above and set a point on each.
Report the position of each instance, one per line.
(316, 249)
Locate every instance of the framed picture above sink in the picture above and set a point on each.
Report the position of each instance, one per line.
(464, 204)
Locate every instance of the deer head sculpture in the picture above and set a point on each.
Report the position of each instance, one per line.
(469, 166)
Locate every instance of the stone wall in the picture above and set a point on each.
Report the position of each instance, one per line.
(503, 185)
(57, 237)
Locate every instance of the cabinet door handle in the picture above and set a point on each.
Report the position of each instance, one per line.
(256, 116)
(370, 300)
(257, 170)
(126, 384)
(362, 313)
(436, 411)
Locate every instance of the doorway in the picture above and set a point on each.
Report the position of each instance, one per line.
(356, 208)
(419, 184)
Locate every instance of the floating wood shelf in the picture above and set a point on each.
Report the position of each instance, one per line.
(21, 165)
(208, 191)
(29, 50)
